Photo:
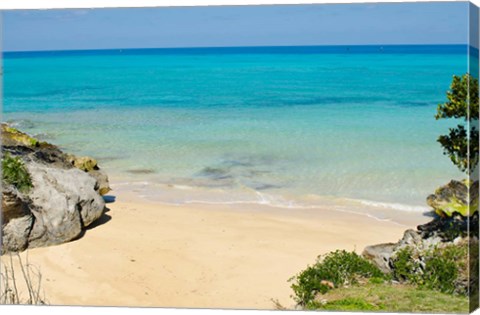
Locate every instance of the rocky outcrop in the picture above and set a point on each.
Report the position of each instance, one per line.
(17, 220)
(18, 143)
(64, 198)
(90, 165)
(438, 232)
(383, 254)
(455, 223)
(456, 197)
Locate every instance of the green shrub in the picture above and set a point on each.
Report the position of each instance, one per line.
(405, 267)
(443, 268)
(340, 268)
(15, 173)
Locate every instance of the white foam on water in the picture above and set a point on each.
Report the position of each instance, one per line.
(178, 195)
(270, 201)
(182, 187)
(280, 202)
(393, 206)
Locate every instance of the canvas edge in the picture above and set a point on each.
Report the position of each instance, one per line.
(473, 70)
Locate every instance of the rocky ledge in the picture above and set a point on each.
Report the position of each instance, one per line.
(48, 196)
(454, 223)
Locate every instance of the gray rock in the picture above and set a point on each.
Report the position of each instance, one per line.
(102, 186)
(61, 203)
(14, 205)
(456, 197)
(15, 233)
(380, 255)
(30, 149)
(65, 197)
(64, 202)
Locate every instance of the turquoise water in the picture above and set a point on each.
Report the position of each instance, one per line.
(285, 126)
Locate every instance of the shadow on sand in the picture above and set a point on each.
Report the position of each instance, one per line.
(105, 218)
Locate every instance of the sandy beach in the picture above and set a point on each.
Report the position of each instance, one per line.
(198, 256)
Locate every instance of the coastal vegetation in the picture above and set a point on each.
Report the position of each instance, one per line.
(336, 269)
(442, 268)
(461, 145)
(434, 280)
(15, 173)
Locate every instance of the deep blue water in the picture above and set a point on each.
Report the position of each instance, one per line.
(334, 49)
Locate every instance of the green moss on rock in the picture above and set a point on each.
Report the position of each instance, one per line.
(456, 197)
(14, 137)
(454, 206)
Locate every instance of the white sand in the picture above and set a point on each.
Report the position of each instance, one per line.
(198, 256)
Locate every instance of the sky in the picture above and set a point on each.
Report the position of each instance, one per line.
(269, 25)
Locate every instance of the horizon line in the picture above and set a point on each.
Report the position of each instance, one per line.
(227, 47)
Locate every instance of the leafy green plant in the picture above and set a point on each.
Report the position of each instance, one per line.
(404, 265)
(443, 267)
(337, 268)
(15, 173)
(461, 145)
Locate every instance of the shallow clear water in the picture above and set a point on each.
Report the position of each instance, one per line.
(286, 127)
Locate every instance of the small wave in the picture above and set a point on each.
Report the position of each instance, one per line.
(182, 187)
(262, 199)
(257, 199)
(21, 123)
(276, 202)
(189, 195)
(394, 206)
(117, 184)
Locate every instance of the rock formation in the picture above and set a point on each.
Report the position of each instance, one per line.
(455, 222)
(64, 198)
(455, 197)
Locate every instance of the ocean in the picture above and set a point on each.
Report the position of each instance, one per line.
(288, 126)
